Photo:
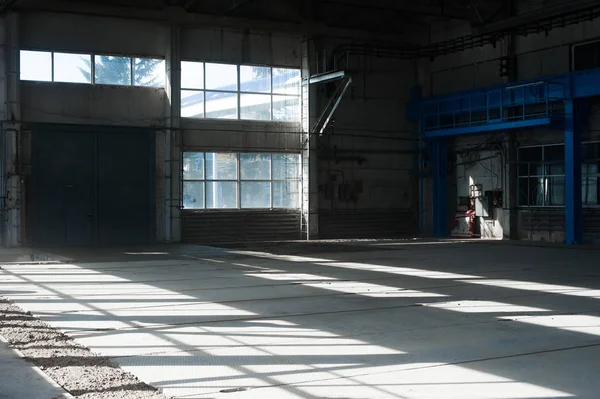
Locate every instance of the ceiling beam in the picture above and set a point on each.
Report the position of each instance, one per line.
(541, 15)
(179, 16)
(412, 7)
(235, 4)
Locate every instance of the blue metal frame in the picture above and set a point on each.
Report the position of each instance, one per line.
(573, 157)
(525, 104)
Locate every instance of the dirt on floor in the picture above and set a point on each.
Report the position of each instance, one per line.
(81, 372)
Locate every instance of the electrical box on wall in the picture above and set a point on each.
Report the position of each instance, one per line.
(495, 198)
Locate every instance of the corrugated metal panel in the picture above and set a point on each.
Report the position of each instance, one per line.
(367, 223)
(232, 226)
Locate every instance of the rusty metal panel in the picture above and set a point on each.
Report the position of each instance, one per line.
(240, 225)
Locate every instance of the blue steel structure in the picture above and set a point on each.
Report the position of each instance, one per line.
(553, 102)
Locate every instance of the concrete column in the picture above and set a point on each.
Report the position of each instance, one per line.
(573, 157)
(13, 206)
(310, 200)
(512, 230)
(440, 187)
(173, 138)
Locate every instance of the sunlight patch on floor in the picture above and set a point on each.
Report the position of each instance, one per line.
(476, 306)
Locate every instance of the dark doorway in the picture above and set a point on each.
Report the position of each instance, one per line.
(90, 187)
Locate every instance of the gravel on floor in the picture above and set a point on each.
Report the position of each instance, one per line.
(78, 370)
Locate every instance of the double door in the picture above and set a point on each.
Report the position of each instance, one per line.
(91, 187)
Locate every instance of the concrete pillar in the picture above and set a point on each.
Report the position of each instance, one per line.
(512, 191)
(13, 206)
(173, 138)
(573, 157)
(439, 152)
(310, 197)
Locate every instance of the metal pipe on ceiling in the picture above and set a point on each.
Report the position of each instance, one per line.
(568, 14)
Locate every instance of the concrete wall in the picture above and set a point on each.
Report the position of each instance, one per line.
(536, 55)
(369, 150)
(370, 142)
(43, 102)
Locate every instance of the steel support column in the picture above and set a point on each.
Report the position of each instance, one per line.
(439, 157)
(573, 157)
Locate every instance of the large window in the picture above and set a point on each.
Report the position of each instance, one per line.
(241, 180)
(224, 91)
(591, 174)
(542, 175)
(48, 66)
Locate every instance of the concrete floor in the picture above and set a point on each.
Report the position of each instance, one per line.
(369, 320)
(20, 379)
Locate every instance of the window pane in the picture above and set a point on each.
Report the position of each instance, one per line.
(554, 153)
(523, 192)
(148, 72)
(221, 77)
(555, 169)
(589, 168)
(536, 169)
(256, 195)
(255, 79)
(192, 75)
(286, 194)
(36, 65)
(531, 191)
(72, 68)
(193, 195)
(555, 191)
(523, 169)
(286, 166)
(591, 151)
(221, 105)
(255, 107)
(193, 166)
(221, 166)
(221, 195)
(589, 190)
(286, 81)
(112, 70)
(530, 154)
(286, 109)
(255, 166)
(192, 104)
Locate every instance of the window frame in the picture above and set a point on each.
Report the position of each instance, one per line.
(93, 67)
(239, 92)
(547, 176)
(240, 180)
